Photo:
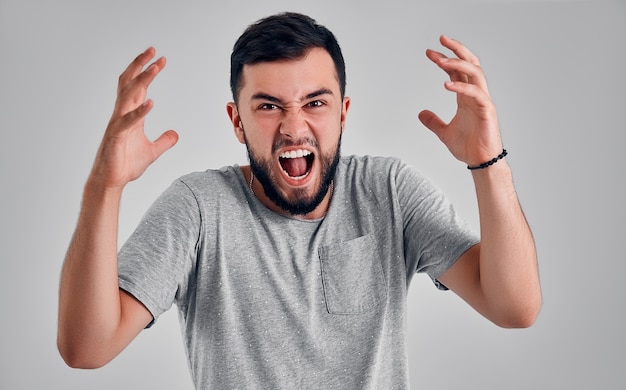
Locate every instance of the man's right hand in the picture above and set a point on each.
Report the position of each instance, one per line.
(97, 319)
(125, 151)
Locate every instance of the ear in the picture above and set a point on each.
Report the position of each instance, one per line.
(235, 119)
(344, 112)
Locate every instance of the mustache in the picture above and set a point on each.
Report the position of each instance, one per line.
(284, 142)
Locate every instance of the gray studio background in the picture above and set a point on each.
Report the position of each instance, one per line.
(556, 73)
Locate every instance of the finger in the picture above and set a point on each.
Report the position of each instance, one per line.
(435, 56)
(441, 60)
(480, 95)
(464, 71)
(145, 78)
(134, 93)
(432, 122)
(164, 142)
(135, 67)
(133, 117)
(459, 50)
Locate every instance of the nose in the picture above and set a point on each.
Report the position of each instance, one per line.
(293, 124)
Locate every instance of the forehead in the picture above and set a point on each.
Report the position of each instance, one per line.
(291, 79)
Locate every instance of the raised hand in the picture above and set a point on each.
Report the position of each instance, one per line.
(473, 135)
(125, 151)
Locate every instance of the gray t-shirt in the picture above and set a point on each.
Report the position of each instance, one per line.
(267, 301)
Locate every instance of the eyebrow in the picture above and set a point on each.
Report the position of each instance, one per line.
(274, 99)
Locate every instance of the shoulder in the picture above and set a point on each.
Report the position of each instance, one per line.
(208, 186)
(367, 161)
(384, 180)
(211, 181)
(379, 169)
(227, 174)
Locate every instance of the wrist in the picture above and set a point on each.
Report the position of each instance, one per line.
(498, 176)
(488, 163)
(98, 189)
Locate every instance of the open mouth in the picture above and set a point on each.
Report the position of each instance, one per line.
(296, 163)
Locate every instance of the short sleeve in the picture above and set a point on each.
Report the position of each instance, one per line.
(154, 263)
(435, 236)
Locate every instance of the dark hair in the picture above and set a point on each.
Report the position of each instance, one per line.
(284, 36)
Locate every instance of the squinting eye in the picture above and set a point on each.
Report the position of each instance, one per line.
(268, 106)
(316, 103)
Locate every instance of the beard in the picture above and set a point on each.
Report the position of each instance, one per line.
(302, 203)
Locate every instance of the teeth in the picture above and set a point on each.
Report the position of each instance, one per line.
(295, 153)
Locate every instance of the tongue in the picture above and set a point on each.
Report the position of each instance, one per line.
(294, 166)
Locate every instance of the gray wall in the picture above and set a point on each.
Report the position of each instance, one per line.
(556, 73)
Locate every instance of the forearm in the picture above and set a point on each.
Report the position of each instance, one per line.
(508, 262)
(89, 298)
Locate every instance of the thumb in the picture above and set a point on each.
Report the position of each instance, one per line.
(164, 142)
(432, 122)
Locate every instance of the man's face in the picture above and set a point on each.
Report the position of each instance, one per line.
(290, 115)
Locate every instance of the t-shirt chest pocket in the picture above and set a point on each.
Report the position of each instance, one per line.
(352, 276)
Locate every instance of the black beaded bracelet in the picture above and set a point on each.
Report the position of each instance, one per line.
(490, 162)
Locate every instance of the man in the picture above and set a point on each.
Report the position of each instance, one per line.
(292, 272)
